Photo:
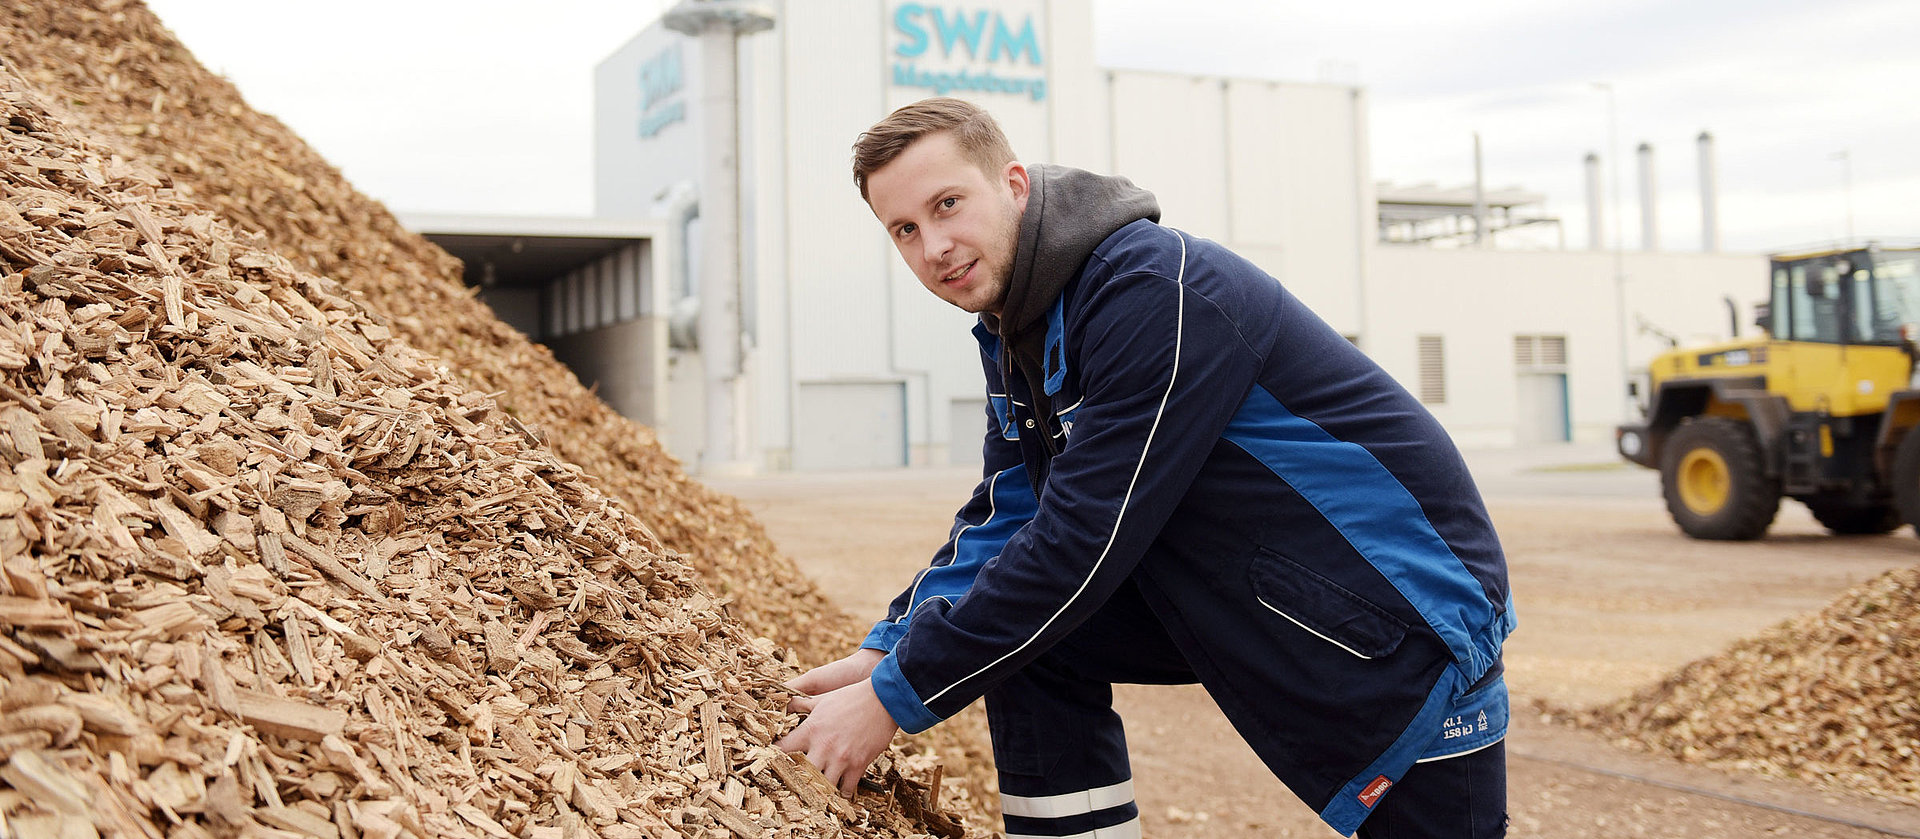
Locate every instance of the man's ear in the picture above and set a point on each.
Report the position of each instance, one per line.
(1016, 176)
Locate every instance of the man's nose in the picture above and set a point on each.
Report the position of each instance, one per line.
(937, 245)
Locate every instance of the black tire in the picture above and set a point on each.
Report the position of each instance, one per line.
(1714, 481)
(1854, 519)
(1906, 479)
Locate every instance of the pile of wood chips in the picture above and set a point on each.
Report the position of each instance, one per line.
(1831, 697)
(124, 79)
(113, 72)
(266, 569)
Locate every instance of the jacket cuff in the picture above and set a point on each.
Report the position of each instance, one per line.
(884, 636)
(898, 697)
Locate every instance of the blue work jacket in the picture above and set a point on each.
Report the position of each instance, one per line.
(1305, 530)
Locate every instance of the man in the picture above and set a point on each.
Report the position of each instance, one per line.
(1189, 477)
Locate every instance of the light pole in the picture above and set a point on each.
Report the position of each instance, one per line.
(1619, 258)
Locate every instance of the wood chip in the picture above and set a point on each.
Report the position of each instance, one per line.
(46, 783)
(34, 613)
(288, 718)
(299, 821)
(741, 824)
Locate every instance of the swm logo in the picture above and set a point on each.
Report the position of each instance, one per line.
(972, 36)
(660, 78)
(960, 28)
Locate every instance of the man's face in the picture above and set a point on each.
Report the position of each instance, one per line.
(956, 226)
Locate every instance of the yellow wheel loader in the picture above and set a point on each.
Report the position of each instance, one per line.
(1818, 409)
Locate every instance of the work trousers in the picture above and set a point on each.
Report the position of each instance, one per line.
(1062, 754)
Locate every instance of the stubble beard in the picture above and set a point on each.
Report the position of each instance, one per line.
(1009, 254)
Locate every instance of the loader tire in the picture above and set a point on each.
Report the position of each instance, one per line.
(1715, 484)
(1906, 479)
(1847, 519)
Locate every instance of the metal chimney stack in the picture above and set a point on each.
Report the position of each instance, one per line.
(1649, 201)
(718, 25)
(1709, 197)
(1595, 239)
(1480, 236)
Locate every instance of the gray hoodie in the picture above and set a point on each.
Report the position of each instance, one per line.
(1069, 213)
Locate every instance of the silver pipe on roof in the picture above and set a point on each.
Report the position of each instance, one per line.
(1596, 239)
(1649, 201)
(1709, 196)
(1480, 237)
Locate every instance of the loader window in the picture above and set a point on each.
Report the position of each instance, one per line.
(1779, 306)
(1892, 296)
(1814, 301)
(1864, 328)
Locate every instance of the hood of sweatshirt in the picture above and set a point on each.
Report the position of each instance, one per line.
(1069, 213)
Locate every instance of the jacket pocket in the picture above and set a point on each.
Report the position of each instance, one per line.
(1324, 607)
(1004, 414)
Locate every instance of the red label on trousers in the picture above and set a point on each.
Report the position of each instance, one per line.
(1371, 795)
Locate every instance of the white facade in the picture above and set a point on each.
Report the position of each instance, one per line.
(1479, 301)
(853, 364)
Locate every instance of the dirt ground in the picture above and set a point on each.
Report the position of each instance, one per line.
(1610, 598)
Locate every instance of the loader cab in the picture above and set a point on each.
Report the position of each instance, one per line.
(1865, 296)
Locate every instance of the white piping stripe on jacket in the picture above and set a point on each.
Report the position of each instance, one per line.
(993, 509)
(1067, 803)
(1263, 602)
(1179, 327)
(1129, 829)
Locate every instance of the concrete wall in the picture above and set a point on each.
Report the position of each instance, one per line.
(519, 307)
(1478, 300)
(646, 122)
(1276, 171)
(606, 321)
(850, 425)
(684, 424)
(835, 304)
(611, 361)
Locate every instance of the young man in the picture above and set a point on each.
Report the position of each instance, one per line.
(1189, 477)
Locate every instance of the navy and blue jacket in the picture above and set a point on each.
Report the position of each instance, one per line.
(1304, 528)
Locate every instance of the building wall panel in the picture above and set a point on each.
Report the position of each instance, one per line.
(1478, 300)
(836, 264)
(1169, 137)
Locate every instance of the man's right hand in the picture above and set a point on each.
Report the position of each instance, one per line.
(836, 675)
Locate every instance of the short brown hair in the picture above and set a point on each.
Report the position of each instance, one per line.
(979, 136)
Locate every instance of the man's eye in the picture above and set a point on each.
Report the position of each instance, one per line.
(948, 202)
(905, 231)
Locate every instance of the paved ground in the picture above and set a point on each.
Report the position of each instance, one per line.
(1610, 598)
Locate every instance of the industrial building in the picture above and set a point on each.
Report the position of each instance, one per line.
(807, 344)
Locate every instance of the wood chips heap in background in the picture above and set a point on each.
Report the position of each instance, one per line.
(269, 570)
(113, 71)
(291, 538)
(1831, 697)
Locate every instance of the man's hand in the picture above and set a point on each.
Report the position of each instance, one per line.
(846, 727)
(831, 677)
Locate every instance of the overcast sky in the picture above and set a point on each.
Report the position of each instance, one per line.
(485, 106)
